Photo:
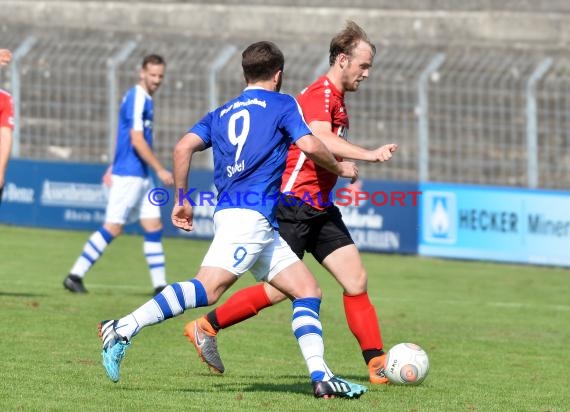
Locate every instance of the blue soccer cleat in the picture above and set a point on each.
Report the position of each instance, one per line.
(337, 388)
(114, 347)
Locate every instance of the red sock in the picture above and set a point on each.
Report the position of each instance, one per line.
(363, 321)
(242, 305)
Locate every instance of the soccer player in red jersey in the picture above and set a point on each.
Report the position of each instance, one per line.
(308, 220)
(6, 123)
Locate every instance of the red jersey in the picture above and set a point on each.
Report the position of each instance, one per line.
(321, 101)
(6, 110)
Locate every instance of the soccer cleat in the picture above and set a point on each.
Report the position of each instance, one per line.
(203, 337)
(376, 370)
(337, 388)
(114, 347)
(74, 284)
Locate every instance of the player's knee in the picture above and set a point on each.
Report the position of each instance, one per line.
(356, 284)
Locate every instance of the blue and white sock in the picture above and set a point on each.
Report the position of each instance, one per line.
(93, 249)
(309, 333)
(172, 301)
(154, 254)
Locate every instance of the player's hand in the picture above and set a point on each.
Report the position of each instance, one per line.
(5, 57)
(107, 179)
(384, 153)
(349, 169)
(165, 177)
(183, 217)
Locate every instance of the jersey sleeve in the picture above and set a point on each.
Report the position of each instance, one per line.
(204, 129)
(134, 109)
(316, 104)
(293, 122)
(6, 111)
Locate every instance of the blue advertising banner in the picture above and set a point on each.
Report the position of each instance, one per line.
(511, 225)
(381, 216)
(72, 196)
(58, 195)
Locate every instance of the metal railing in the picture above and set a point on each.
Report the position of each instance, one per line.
(471, 115)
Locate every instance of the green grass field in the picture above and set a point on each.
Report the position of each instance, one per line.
(497, 335)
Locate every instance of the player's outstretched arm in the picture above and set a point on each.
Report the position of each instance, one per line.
(318, 153)
(342, 148)
(384, 153)
(182, 214)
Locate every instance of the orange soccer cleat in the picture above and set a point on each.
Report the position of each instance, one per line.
(203, 336)
(376, 370)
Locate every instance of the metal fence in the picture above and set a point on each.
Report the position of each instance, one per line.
(471, 115)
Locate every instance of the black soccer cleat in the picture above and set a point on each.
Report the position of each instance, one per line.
(338, 388)
(74, 284)
(158, 289)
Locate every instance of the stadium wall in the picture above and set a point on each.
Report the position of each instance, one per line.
(445, 27)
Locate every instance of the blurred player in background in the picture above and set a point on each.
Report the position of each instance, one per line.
(315, 225)
(249, 136)
(128, 196)
(6, 123)
(5, 57)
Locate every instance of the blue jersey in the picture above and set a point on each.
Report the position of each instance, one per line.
(250, 136)
(136, 114)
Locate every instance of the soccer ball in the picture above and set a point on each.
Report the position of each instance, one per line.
(406, 364)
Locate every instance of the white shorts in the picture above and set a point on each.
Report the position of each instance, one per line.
(245, 240)
(128, 200)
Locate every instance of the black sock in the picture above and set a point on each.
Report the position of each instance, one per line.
(213, 319)
(369, 354)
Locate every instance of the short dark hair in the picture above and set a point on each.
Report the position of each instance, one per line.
(261, 60)
(346, 41)
(153, 59)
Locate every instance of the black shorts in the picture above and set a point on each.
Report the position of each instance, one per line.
(1, 190)
(307, 229)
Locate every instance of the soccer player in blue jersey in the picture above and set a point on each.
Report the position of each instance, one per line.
(128, 196)
(311, 223)
(250, 136)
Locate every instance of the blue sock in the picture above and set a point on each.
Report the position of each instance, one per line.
(308, 331)
(154, 254)
(92, 251)
(172, 301)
